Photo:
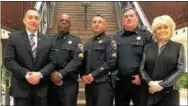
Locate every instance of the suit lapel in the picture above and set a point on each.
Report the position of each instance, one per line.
(25, 38)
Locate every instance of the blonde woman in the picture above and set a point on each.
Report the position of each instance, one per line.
(162, 64)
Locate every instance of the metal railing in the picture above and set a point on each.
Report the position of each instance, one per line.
(143, 21)
(46, 11)
(142, 16)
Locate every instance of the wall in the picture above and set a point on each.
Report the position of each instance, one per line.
(177, 10)
(180, 36)
(12, 14)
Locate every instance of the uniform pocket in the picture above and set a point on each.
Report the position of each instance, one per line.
(99, 48)
(99, 51)
(67, 52)
(137, 47)
(65, 48)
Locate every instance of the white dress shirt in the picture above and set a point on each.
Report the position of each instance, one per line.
(35, 37)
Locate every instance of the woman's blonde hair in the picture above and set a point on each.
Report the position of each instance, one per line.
(164, 19)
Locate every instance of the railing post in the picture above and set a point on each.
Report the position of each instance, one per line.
(51, 13)
(1, 57)
(85, 17)
(86, 4)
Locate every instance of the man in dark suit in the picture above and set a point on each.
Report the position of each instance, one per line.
(27, 56)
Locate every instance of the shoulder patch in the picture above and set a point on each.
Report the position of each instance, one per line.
(114, 44)
(81, 47)
(81, 55)
(90, 37)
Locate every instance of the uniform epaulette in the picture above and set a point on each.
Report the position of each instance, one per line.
(74, 36)
(119, 32)
(91, 37)
(108, 37)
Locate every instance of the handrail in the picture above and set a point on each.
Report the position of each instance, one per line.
(43, 19)
(51, 13)
(118, 14)
(86, 4)
(45, 8)
(142, 15)
(38, 5)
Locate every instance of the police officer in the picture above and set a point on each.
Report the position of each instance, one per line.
(99, 61)
(68, 55)
(130, 40)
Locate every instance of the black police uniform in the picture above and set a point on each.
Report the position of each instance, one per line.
(68, 56)
(130, 48)
(99, 60)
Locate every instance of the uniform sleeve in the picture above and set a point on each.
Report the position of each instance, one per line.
(82, 69)
(171, 80)
(110, 62)
(76, 61)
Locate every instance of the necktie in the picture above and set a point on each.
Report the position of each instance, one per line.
(33, 45)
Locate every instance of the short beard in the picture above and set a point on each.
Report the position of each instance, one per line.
(63, 32)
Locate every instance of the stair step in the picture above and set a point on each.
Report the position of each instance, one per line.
(81, 102)
(76, 11)
(93, 3)
(82, 23)
(81, 89)
(81, 85)
(81, 11)
(81, 18)
(84, 34)
(81, 94)
(82, 28)
(88, 15)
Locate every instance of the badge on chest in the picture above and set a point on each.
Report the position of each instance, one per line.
(69, 42)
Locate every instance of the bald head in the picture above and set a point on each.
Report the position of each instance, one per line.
(65, 16)
(64, 23)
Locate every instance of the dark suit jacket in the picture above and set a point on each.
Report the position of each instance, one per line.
(18, 59)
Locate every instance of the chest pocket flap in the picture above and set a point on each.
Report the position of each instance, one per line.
(68, 48)
(99, 47)
(137, 47)
(138, 43)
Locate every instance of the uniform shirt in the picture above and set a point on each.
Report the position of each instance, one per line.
(67, 54)
(130, 48)
(99, 56)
